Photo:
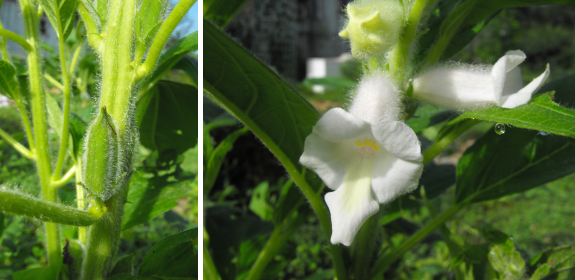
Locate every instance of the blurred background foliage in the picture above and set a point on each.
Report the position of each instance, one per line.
(535, 220)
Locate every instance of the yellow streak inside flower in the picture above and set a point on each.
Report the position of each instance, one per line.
(369, 143)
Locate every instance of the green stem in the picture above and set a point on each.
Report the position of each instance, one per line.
(94, 38)
(162, 37)
(65, 179)
(54, 81)
(364, 248)
(25, 205)
(76, 56)
(80, 199)
(16, 39)
(278, 238)
(66, 85)
(25, 152)
(31, 23)
(445, 140)
(400, 54)
(210, 270)
(385, 261)
(5, 54)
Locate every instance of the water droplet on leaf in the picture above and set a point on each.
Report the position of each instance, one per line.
(543, 133)
(499, 128)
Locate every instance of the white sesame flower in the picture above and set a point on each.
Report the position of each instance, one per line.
(469, 88)
(368, 158)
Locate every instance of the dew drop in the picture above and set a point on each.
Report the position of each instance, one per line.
(499, 128)
(543, 133)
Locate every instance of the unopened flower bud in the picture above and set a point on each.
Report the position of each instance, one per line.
(373, 26)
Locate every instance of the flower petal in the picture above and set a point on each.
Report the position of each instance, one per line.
(393, 177)
(457, 88)
(505, 64)
(398, 139)
(338, 125)
(328, 159)
(352, 204)
(524, 95)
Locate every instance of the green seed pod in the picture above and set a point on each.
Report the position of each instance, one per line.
(101, 157)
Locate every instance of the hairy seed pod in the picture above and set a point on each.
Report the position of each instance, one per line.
(101, 156)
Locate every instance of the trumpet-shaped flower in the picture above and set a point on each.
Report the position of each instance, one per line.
(468, 88)
(366, 157)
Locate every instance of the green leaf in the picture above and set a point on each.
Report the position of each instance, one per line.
(257, 96)
(554, 263)
(217, 157)
(61, 13)
(541, 114)
(174, 256)
(124, 265)
(428, 115)
(221, 12)
(503, 256)
(8, 84)
(150, 196)
(42, 273)
(171, 56)
(259, 203)
(499, 165)
(189, 64)
(171, 117)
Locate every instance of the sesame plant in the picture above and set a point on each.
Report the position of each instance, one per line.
(362, 168)
(132, 106)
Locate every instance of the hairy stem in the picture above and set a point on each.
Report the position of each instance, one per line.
(17, 146)
(31, 24)
(94, 38)
(399, 55)
(66, 114)
(16, 39)
(62, 181)
(25, 205)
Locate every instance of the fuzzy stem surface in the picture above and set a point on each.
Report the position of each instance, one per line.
(31, 25)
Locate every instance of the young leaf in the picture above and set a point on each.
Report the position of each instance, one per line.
(499, 165)
(173, 257)
(171, 117)
(61, 14)
(55, 119)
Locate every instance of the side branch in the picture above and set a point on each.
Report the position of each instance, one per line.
(162, 37)
(23, 150)
(22, 204)
(16, 38)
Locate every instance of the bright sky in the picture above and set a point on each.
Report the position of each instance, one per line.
(189, 23)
